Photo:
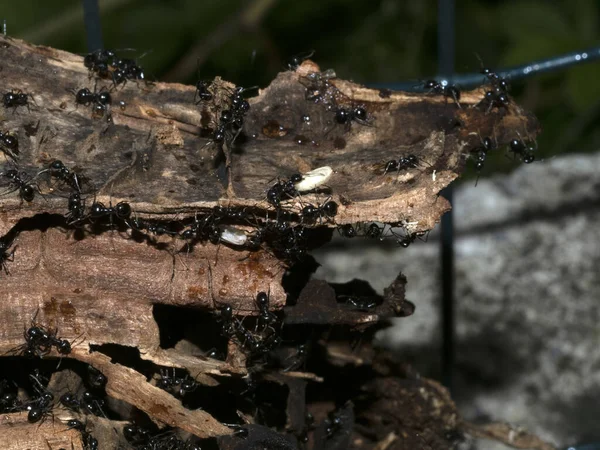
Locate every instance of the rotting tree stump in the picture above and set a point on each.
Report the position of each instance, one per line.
(134, 303)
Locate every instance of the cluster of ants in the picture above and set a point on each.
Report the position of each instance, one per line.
(176, 384)
(142, 439)
(280, 235)
(41, 403)
(38, 406)
(320, 90)
(40, 342)
(518, 147)
(102, 63)
(106, 64)
(497, 96)
(265, 336)
(231, 118)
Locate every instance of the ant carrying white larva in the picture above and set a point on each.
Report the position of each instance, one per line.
(313, 179)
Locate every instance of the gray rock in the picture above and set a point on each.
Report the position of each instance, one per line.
(527, 297)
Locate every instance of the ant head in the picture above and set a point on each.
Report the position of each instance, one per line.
(330, 208)
(123, 210)
(360, 113)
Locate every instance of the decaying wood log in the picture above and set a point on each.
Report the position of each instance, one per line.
(107, 282)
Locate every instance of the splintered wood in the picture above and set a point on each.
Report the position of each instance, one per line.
(104, 278)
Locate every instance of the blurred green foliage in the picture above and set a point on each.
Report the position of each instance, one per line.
(371, 41)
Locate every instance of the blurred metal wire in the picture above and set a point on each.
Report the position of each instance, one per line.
(514, 73)
(446, 50)
(93, 25)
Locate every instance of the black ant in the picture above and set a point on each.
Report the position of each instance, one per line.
(227, 320)
(96, 378)
(496, 98)
(136, 436)
(203, 92)
(41, 406)
(15, 98)
(26, 190)
(70, 401)
(480, 153)
(232, 120)
(10, 145)
(9, 399)
(318, 89)
(283, 189)
(88, 403)
(346, 115)
(403, 163)
(295, 61)
(256, 238)
(58, 170)
(98, 61)
(447, 90)
(312, 213)
(91, 404)
(347, 231)
(238, 103)
(309, 425)
(498, 83)
(152, 227)
(257, 343)
(291, 243)
(405, 241)
(100, 101)
(76, 208)
(75, 424)
(89, 441)
(176, 384)
(519, 147)
(121, 211)
(298, 359)
(332, 425)
(86, 97)
(126, 69)
(204, 228)
(266, 317)
(40, 341)
(6, 255)
(375, 231)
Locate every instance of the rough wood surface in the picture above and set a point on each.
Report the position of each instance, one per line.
(101, 287)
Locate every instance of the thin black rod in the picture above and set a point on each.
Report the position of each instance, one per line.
(446, 48)
(470, 80)
(93, 26)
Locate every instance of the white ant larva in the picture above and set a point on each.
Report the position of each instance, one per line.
(313, 179)
(233, 236)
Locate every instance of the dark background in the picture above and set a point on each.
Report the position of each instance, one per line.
(376, 41)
